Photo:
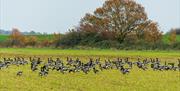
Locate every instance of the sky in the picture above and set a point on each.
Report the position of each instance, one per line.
(60, 15)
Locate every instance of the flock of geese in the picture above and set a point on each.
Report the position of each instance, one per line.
(95, 65)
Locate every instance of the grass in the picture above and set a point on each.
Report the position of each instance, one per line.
(96, 52)
(39, 37)
(3, 37)
(166, 38)
(110, 80)
(104, 81)
(44, 37)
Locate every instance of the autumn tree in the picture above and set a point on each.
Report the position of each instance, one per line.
(56, 39)
(152, 34)
(31, 40)
(119, 16)
(16, 38)
(46, 43)
(172, 36)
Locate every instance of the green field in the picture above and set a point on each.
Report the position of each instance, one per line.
(108, 80)
(39, 37)
(166, 38)
(91, 53)
(3, 37)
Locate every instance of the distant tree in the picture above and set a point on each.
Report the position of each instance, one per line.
(152, 34)
(118, 16)
(177, 31)
(172, 36)
(70, 39)
(31, 40)
(32, 33)
(16, 38)
(46, 43)
(44, 33)
(56, 39)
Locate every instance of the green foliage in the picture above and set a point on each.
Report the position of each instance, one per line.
(107, 44)
(94, 40)
(71, 39)
(90, 38)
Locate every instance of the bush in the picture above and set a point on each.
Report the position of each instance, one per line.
(90, 38)
(71, 39)
(107, 44)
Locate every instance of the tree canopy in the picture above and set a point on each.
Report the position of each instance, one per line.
(120, 17)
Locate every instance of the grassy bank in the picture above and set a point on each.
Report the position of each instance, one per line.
(95, 52)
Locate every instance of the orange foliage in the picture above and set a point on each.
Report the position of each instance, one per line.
(17, 39)
(172, 37)
(152, 34)
(30, 40)
(120, 17)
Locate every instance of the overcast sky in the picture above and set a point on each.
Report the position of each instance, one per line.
(60, 15)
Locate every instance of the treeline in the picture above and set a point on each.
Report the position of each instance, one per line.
(121, 24)
(8, 32)
(18, 40)
(88, 39)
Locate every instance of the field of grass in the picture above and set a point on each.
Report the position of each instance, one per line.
(89, 53)
(166, 38)
(44, 37)
(39, 37)
(3, 37)
(108, 80)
